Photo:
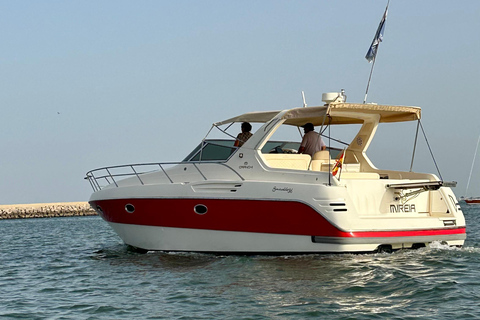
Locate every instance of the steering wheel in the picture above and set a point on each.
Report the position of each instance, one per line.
(277, 149)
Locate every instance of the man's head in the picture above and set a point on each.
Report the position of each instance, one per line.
(308, 127)
(246, 127)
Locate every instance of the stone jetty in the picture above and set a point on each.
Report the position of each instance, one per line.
(46, 210)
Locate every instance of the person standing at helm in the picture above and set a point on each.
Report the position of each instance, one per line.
(312, 141)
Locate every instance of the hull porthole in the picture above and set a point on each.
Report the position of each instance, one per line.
(129, 208)
(200, 209)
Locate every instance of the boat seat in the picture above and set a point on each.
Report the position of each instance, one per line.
(322, 155)
(287, 160)
(320, 160)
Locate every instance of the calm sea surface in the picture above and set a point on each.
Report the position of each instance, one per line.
(77, 268)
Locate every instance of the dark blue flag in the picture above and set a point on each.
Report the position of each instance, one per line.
(372, 51)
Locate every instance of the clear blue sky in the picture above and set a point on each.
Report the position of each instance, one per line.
(87, 84)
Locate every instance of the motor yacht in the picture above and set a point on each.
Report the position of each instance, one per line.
(266, 198)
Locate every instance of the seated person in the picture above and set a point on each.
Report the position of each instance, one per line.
(244, 135)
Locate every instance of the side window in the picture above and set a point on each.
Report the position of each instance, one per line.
(212, 150)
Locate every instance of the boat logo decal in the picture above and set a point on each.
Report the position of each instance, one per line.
(359, 141)
(283, 189)
(245, 166)
(402, 208)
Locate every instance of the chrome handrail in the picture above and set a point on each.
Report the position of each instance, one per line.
(111, 178)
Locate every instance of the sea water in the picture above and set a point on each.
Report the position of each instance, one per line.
(77, 268)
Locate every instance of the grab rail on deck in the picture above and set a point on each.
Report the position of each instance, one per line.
(96, 176)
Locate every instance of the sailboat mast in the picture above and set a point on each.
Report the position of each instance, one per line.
(473, 162)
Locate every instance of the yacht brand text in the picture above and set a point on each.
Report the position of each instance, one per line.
(245, 166)
(286, 189)
(402, 208)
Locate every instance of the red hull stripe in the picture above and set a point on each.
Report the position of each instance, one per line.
(413, 233)
(280, 217)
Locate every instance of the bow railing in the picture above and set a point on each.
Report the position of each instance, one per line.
(108, 176)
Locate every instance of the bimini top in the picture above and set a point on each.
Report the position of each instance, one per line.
(335, 113)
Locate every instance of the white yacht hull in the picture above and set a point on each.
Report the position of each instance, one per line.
(273, 226)
(213, 241)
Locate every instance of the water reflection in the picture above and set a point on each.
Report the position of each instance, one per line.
(176, 262)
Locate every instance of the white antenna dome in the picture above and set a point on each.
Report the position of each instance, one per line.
(330, 97)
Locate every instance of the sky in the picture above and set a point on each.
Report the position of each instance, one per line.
(89, 84)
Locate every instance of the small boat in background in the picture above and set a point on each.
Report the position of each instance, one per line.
(472, 200)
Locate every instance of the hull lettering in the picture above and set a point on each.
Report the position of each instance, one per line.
(402, 208)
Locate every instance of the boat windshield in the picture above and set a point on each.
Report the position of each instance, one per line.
(221, 150)
(212, 150)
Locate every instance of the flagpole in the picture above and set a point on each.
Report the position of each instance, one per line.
(373, 50)
(369, 78)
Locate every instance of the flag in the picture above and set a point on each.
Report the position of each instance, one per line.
(372, 51)
(338, 164)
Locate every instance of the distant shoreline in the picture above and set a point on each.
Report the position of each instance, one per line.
(46, 210)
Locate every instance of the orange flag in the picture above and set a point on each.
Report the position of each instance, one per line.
(338, 164)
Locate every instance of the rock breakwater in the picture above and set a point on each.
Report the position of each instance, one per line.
(46, 210)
